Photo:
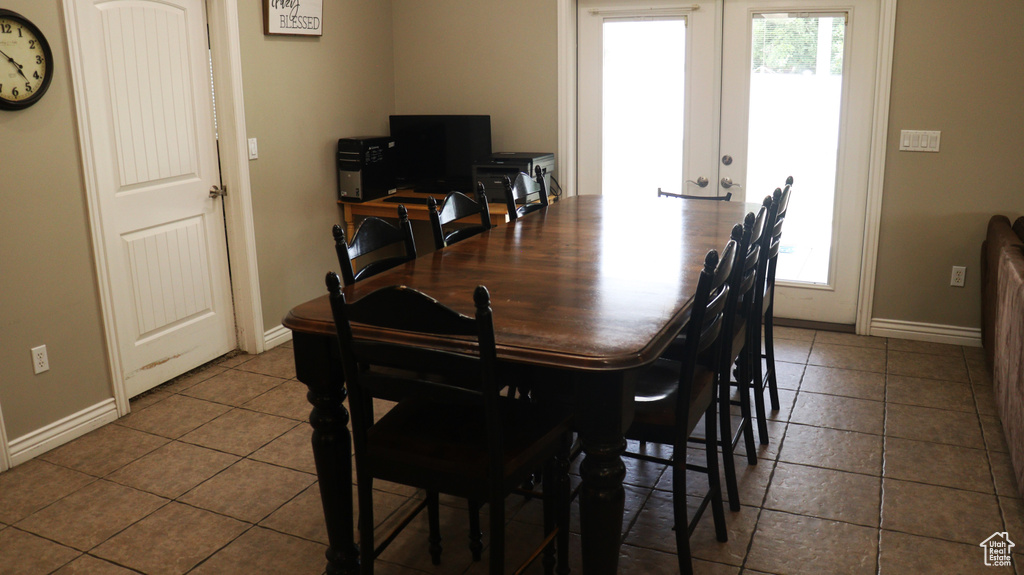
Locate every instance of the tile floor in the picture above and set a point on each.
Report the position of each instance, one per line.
(886, 458)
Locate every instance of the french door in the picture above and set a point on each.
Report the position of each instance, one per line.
(731, 97)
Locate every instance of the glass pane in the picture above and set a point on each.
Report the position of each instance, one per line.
(796, 83)
(642, 119)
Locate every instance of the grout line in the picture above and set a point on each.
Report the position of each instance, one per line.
(881, 478)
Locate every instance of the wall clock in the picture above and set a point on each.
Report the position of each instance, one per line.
(26, 63)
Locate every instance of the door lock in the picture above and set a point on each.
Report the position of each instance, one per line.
(727, 160)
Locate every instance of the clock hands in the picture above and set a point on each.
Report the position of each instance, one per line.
(16, 65)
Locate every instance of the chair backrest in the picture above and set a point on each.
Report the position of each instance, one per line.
(707, 318)
(732, 301)
(525, 195)
(780, 206)
(457, 206)
(719, 268)
(749, 259)
(372, 235)
(405, 370)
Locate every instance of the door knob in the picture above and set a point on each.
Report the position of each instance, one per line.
(728, 183)
(218, 192)
(701, 182)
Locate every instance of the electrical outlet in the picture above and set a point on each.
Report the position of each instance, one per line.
(40, 363)
(957, 279)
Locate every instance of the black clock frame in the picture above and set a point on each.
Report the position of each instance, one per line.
(47, 53)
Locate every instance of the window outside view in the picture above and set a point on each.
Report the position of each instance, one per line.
(796, 84)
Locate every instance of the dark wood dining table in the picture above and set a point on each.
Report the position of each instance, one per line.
(584, 293)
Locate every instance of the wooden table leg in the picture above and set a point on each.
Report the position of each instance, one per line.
(350, 222)
(317, 367)
(602, 414)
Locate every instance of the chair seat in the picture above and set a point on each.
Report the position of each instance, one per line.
(654, 418)
(444, 447)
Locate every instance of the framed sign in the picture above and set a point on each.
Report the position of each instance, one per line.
(293, 17)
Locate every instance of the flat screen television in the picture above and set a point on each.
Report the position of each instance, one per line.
(435, 153)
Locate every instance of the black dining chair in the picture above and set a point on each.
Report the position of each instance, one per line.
(458, 206)
(754, 315)
(451, 432)
(677, 391)
(374, 235)
(734, 353)
(525, 195)
(745, 356)
(769, 379)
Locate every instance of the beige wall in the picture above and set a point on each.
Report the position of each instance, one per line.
(490, 57)
(48, 289)
(301, 95)
(958, 67)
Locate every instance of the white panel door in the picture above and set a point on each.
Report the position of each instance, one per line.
(146, 81)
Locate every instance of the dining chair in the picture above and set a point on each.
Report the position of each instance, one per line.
(734, 352)
(451, 432)
(747, 319)
(526, 195)
(457, 206)
(769, 379)
(754, 315)
(374, 234)
(676, 392)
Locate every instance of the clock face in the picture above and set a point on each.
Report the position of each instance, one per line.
(25, 62)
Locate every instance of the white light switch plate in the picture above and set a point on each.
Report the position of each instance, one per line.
(253, 151)
(919, 140)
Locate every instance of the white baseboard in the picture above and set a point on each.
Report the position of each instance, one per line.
(60, 432)
(968, 336)
(276, 336)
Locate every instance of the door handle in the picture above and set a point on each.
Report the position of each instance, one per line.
(728, 183)
(701, 182)
(218, 192)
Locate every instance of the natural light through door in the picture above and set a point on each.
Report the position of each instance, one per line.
(729, 98)
(796, 84)
(643, 85)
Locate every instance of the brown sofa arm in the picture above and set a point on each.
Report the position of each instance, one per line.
(1000, 234)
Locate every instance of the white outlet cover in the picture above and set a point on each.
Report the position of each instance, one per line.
(40, 362)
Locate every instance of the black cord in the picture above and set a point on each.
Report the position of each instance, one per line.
(556, 188)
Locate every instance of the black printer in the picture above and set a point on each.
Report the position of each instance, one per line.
(491, 173)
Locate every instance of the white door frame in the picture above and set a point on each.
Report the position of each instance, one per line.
(567, 122)
(222, 17)
(5, 453)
